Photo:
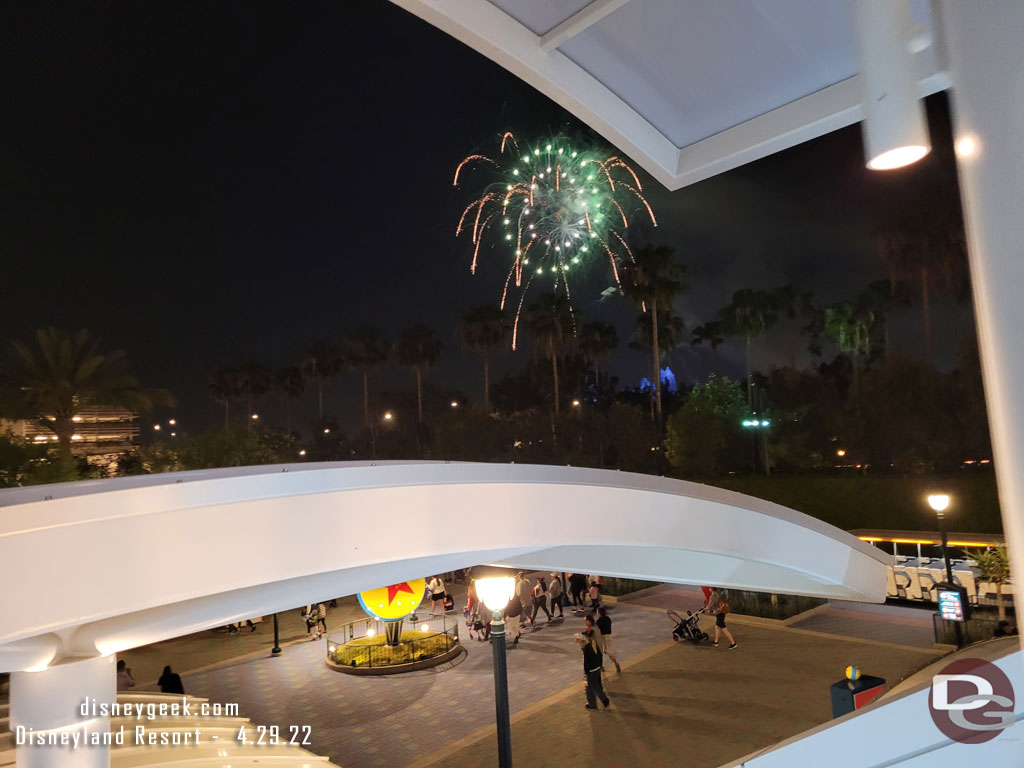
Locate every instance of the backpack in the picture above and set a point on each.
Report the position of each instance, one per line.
(723, 607)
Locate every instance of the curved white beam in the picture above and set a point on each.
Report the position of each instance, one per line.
(120, 563)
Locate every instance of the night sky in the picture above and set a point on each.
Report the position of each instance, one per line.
(205, 183)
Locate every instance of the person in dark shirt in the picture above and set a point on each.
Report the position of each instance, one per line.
(604, 639)
(170, 682)
(592, 661)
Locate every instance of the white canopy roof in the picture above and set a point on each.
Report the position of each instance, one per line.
(687, 88)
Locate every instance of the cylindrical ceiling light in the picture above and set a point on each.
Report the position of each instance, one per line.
(894, 128)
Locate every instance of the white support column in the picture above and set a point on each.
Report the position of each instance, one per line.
(49, 702)
(983, 44)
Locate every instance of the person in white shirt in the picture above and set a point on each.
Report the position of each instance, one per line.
(124, 676)
(436, 587)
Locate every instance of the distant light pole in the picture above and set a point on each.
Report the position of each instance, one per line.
(495, 593)
(760, 427)
(939, 502)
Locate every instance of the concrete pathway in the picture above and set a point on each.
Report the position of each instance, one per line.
(395, 720)
(696, 706)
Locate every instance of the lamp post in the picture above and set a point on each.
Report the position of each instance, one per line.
(939, 502)
(276, 650)
(495, 593)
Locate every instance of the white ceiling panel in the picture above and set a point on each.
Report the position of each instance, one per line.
(694, 68)
(687, 88)
(540, 16)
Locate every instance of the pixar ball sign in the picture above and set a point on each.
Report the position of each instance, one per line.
(394, 602)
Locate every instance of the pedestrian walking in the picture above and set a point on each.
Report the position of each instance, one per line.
(309, 616)
(437, 595)
(592, 660)
(555, 595)
(321, 618)
(525, 593)
(721, 608)
(594, 593)
(540, 600)
(604, 626)
(170, 681)
(578, 590)
(514, 619)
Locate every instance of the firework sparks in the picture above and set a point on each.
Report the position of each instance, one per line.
(564, 204)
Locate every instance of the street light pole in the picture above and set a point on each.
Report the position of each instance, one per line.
(495, 592)
(949, 573)
(276, 650)
(939, 502)
(501, 712)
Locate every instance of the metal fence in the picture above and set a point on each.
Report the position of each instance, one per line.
(363, 643)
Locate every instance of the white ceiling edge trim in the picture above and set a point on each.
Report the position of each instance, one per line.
(493, 33)
(490, 31)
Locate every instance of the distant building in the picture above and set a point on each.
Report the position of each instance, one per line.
(101, 429)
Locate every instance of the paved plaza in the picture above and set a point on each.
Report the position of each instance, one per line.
(672, 703)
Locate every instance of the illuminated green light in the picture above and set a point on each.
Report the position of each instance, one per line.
(548, 148)
(536, 151)
(515, 171)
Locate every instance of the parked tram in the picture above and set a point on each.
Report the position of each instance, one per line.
(914, 576)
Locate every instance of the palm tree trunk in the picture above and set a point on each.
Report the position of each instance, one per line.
(487, 387)
(419, 393)
(656, 356)
(64, 429)
(320, 397)
(1000, 606)
(366, 398)
(288, 415)
(596, 378)
(750, 394)
(554, 373)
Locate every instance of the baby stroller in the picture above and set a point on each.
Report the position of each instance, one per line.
(687, 628)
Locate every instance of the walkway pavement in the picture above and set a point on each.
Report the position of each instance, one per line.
(394, 720)
(672, 704)
(697, 706)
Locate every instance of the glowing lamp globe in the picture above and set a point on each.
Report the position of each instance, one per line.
(496, 591)
(938, 501)
(852, 672)
(393, 602)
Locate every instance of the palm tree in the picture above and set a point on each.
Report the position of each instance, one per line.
(787, 304)
(66, 373)
(289, 385)
(652, 279)
(225, 385)
(321, 363)
(994, 564)
(710, 332)
(485, 330)
(597, 341)
(749, 315)
(850, 327)
(255, 382)
(671, 328)
(550, 320)
(418, 348)
(926, 248)
(366, 349)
